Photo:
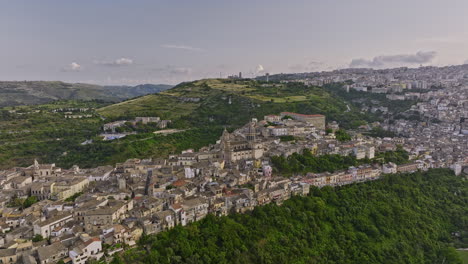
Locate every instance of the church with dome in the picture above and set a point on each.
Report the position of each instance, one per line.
(241, 146)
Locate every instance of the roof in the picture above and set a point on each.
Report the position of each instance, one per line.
(20, 179)
(179, 183)
(176, 206)
(92, 240)
(28, 259)
(7, 252)
(49, 251)
(56, 218)
(193, 202)
(163, 214)
(106, 210)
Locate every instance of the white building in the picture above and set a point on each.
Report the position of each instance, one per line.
(85, 249)
(389, 168)
(46, 227)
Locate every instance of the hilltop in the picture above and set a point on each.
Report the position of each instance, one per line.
(201, 109)
(39, 92)
(228, 102)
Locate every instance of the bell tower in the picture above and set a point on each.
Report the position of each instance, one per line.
(226, 146)
(251, 132)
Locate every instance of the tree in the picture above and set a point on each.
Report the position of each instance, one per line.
(37, 238)
(117, 260)
(341, 135)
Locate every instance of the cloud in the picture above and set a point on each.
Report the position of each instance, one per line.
(420, 57)
(72, 67)
(308, 67)
(182, 47)
(180, 71)
(174, 70)
(259, 69)
(115, 63)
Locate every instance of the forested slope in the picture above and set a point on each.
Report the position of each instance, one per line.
(398, 219)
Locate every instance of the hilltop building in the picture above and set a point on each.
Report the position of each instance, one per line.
(235, 147)
(317, 120)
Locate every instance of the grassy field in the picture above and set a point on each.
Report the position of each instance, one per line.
(463, 255)
(216, 101)
(298, 98)
(227, 85)
(162, 105)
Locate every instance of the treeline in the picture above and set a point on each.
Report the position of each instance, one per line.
(398, 219)
(380, 132)
(399, 156)
(307, 162)
(145, 145)
(359, 98)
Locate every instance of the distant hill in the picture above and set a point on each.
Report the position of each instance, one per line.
(233, 102)
(126, 92)
(39, 92)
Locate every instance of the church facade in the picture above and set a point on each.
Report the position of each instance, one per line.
(235, 147)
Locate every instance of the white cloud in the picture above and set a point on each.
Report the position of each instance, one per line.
(182, 47)
(383, 61)
(124, 61)
(117, 62)
(72, 67)
(259, 69)
(311, 66)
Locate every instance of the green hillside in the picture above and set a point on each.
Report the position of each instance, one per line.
(40, 92)
(405, 218)
(234, 102)
(39, 131)
(201, 108)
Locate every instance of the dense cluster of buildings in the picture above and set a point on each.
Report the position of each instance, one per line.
(440, 135)
(111, 130)
(396, 80)
(83, 213)
(435, 128)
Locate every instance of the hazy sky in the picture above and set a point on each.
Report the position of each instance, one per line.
(137, 41)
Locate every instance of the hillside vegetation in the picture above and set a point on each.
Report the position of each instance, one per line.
(201, 108)
(406, 218)
(39, 131)
(40, 92)
(233, 102)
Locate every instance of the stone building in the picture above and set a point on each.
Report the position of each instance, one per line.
(236, 147)
(317, 120)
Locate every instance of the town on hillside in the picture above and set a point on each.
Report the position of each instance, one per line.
(52, 214)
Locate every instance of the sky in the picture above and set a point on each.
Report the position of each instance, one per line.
(117, 42)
